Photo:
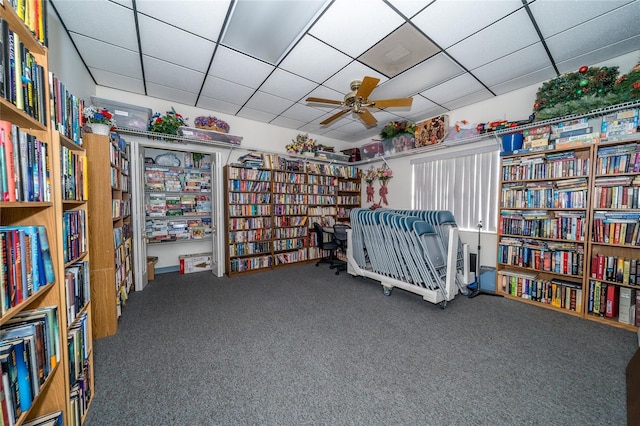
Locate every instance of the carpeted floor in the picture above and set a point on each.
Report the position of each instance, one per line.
(301, 346)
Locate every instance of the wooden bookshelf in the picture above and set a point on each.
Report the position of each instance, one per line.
(109, 231)
(51, 395)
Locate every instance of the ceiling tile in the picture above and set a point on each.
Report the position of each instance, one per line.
(452, 89)
(117, 81)
(286, 85)
(242, 69)
(420, 103)
(468, 99)
(256, 115)
(266, 102)
(168, 43)
(340, 26)
(449, 21)
(303, 112)
(108, 56)
(428, 113)
(620, 24)
(523, 81)
(525, 61)
(87, 18)
(553, 17)
(217, 105)
(399, 51)
(323, 64)
(410, 7)
(170, 75)
(171, 94)
(502, 38)
(289, 123)
(283, 21)
(419, 78)
(354, 71)
(189, 15)
(226, 91)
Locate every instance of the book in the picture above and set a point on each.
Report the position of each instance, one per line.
(23, 377)
(611, 307)
(45, 250)
(624, 305)
(6, 143)
(27, 333)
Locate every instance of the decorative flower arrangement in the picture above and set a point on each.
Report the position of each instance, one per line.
(93, 114)
(301, 144)
(370, 175)
(211, 123)
(397, 127)
(168, 123)
(384, 173)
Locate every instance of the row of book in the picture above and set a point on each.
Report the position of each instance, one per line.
(34, 15)
(544, 166)
(77, 289)
(619, 124)
(291, 257)
(615, 269)
(175, 230)
(248, 264)
(565, 259)
(66, 110)
(618, 159)
(611, 229)
(74, 175)
(27, 264)
(29, 351)
(79, 369)
(559, 293)
(543, 224)
(517, 197)
(626, 195)
(74, 234)
(24, 165)
(24, 81)
(262, 234)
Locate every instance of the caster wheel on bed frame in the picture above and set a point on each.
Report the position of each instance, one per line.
(443, 304)
(386, 291)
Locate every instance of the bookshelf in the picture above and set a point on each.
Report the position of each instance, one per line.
(349, 192)
(110, 234)
(543, 223)
(289, 216)
(248, 219)
(32, 238)
(614, 242)
(323, 195)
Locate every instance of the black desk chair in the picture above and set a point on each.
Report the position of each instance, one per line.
(330, 246)
(340, 238)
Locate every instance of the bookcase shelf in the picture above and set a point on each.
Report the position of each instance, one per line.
(110, 234)
(269, 212)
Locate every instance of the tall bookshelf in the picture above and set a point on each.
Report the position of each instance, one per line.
(614, 244)
(110, 234)
(349, 192)
(323, 196)
(289, 216)
(543, 225)
(50, 393)
(248, 219)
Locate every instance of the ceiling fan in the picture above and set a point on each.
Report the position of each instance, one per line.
(357, 101)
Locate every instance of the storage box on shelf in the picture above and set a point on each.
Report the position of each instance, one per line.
(125, 115)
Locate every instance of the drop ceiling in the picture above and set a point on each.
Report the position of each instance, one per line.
(261, 59)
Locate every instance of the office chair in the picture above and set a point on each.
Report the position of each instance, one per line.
(330, 246)
(340, 238)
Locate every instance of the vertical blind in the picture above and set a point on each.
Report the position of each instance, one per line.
(466, 185)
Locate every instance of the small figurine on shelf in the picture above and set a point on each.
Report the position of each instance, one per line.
(168, 123)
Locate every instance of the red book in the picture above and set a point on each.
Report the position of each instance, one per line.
(6, 142)
(612, 301)
(601, 262)
(594, 266)
(565, 263)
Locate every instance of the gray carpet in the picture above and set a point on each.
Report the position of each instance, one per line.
(300, 346)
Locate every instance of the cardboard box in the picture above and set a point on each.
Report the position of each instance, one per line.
(126, 116)
(199, 262)
(151, 268)
(353, 153)
(332, 156)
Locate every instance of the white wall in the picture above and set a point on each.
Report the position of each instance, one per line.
(516, 105)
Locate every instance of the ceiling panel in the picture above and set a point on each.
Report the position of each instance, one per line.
(166, 42)
(190, 15)
(492, 48)
(447, 22)
(336, 26)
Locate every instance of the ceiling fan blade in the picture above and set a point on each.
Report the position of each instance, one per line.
(366, 87)
(324, 101)
(386, 103)
(367, 117)
(334, 117)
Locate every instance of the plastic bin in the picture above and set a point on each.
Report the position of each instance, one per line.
(126, 116)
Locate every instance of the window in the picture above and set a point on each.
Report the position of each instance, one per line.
(463, 183)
